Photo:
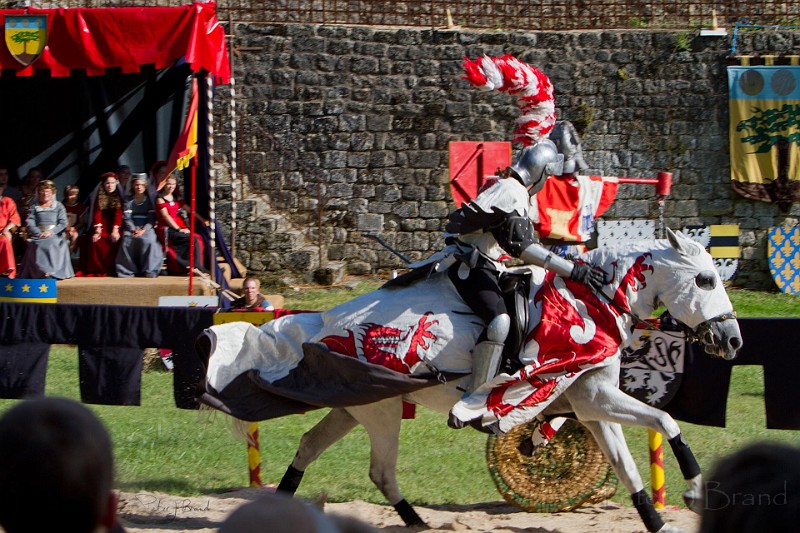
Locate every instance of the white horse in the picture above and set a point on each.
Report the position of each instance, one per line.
(428, 328)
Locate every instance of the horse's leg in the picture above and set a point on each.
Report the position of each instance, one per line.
(596, 397)
(612, 442)
(382, 420)
(335, 425)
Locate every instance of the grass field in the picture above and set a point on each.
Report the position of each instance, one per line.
(161, 448)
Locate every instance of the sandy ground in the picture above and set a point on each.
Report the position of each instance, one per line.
(148, 512)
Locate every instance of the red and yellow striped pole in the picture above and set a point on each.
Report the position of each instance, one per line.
(657, 487)
(253, 455)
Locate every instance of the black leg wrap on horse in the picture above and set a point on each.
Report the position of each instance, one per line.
(644, 506)
(408, 514)
(685, 457)
(291, 480)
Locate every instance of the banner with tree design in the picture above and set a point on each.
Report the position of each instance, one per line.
(764, 104)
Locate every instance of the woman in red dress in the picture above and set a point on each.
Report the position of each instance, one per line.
(173, 230)
(102, 242)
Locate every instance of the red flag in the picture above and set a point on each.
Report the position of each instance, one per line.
(185, 148)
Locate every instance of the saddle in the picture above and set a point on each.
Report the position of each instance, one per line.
(516, 287)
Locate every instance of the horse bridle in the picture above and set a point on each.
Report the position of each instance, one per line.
(699, 334)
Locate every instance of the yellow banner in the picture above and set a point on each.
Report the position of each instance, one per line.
(764, 104)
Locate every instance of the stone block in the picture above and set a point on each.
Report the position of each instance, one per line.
(388, 193)
(434, 209)
(370, 222)
(331, 273)
(413, 192)
(382, 158)
(359, 268)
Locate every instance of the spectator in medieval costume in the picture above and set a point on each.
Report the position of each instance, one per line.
(140, 253)
(251, 299)
(9, 222)
(158, 174)
(75, 211)
(99, 253)
(17, 234)
(174, 232)
(6, 190)
(28, 190)
(47, 252)
(124, 184)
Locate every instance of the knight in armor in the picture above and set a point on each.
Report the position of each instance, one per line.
(497, 223)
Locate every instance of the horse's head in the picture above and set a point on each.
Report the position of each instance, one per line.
(692, 291)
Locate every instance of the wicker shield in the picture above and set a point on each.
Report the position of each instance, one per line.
(563, 475)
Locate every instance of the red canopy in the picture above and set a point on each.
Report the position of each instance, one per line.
(95, 39)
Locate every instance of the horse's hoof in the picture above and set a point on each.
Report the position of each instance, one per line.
(454, 422)
(694, 501)
(526, 447)
(666, 528)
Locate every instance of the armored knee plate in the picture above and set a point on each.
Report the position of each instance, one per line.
(486, 358)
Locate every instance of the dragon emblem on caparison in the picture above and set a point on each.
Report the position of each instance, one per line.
(380, 344)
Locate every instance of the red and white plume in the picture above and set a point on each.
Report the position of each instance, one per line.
(532, 87)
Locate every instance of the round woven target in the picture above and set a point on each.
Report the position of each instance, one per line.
(568, 472)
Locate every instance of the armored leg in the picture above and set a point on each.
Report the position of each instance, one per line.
(487, 355)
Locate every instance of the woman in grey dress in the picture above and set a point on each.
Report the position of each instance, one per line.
(140, 253)
(47, 252)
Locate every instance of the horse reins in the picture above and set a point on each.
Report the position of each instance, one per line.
(687, 333)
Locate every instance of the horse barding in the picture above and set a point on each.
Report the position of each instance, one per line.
(364, 357)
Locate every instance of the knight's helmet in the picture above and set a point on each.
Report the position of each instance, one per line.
(568, 142)
(536, 162)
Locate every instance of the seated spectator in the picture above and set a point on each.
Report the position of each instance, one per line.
(9, 222)
(252, 299)
(99, 253)
(124, 184)
(57, 469)
(7, 190)
(140, 253)
(47, 252)
(173, 230)
(28, 190)
(75, 211)
(755, 489)
(158, 174)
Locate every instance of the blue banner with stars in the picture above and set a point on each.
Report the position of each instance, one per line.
(41, 291)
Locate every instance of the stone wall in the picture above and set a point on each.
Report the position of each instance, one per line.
(357, 120)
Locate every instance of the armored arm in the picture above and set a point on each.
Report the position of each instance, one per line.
(538, 255)
(516, 237)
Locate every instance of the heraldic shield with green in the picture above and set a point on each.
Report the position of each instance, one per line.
(26, 36)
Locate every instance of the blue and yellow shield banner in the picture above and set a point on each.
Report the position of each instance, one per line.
(764, 103)
(783, 253)
(26, 36)
(42, 291)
